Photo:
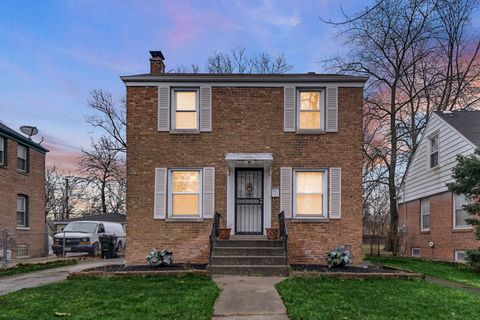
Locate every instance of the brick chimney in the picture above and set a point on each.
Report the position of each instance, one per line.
(156, 63)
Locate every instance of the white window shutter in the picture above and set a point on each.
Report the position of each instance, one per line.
(208, 192)
(206, 109)
(160, 200)
(163, 108)
(286, 191)
(332, 109)
(289, 109)
(335, 200)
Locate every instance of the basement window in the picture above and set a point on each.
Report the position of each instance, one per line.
(416, 252)
(460, 256)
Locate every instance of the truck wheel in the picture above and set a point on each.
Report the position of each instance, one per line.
(96, 250)
(119, 250)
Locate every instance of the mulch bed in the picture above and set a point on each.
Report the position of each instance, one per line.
(177, 266)
(349, 269)
(140, 270)
(353, 272)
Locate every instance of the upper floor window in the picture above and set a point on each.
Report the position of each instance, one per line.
(2, 151)
(459, 214)
(22, 158)
(185, 104)
(310, 193)
(433, 151)
(310, 110)
(425, 214)
(185, 193)
(22, 210)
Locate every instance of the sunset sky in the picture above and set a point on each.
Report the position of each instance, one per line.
(53, 53)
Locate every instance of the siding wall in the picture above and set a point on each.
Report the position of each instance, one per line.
(421, 181)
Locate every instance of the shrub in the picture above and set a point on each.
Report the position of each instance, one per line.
(339, 257)
(160, 258)
(473, 258)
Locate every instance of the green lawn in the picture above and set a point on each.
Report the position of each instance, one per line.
(162, 297)
(23, 268)
(443, 270)
(317, 298)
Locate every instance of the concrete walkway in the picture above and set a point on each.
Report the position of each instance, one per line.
(453, 284)
(252, 298)
(39, 278)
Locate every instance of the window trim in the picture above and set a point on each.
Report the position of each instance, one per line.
(429, 153)
(170, 195)
(322, 92)
(456, 252)
(27, 156)
(419, 252)
(3, 158)
(454, 216)
(422, 229)
(325, 191)
(173, 109)
(25, 212)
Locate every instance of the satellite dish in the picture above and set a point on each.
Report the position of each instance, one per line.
(29, 130)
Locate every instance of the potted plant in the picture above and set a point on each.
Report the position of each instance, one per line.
(224, 233)
(272, 233)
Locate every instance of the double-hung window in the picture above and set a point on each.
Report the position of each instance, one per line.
(185, 191)
(425, 214)
(2, 151)
(310, 193)
(433, 151)
(22, 158)
(310, 110)
(185, 105)
(459, 214)
(22, 210)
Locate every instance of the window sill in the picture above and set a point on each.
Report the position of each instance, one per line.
(25, 173)
(310, 131)
(3, 166)
(23, 228)
(184, 220)
(462, 230)
(184, 131)
(425, 231)
(319, 219)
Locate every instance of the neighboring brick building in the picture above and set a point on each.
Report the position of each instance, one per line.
(22, 192)
(200, 143)
(432, 216)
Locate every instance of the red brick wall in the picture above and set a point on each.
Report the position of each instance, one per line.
(31, 184)
(244, 120)
(445, 238)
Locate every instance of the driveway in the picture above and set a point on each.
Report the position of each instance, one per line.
(40, 278)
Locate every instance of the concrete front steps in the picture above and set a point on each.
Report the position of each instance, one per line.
(249, 256)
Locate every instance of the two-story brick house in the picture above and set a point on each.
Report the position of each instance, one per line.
(22, 193)
(432, 217)
(247, 146)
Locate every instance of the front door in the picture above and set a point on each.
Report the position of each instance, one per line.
(248, 201)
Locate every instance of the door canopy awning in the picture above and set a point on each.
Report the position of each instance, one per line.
(235, 160)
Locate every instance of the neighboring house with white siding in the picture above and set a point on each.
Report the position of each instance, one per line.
(247, 146)
(433, 217)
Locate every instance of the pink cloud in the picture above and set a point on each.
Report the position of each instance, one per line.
(63, 157)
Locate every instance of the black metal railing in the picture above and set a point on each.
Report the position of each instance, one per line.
(282, 226)
(214, 234)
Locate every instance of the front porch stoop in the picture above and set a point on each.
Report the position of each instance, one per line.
(249, 256)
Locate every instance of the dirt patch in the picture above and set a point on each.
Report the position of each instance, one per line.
(140, 270)
(349, 269)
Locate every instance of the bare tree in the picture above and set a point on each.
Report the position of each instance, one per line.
(238, 61)
(111, 117)
(102, 167)
(419, 59)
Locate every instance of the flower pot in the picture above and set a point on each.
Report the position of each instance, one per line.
(224, 233)
(272, 233)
